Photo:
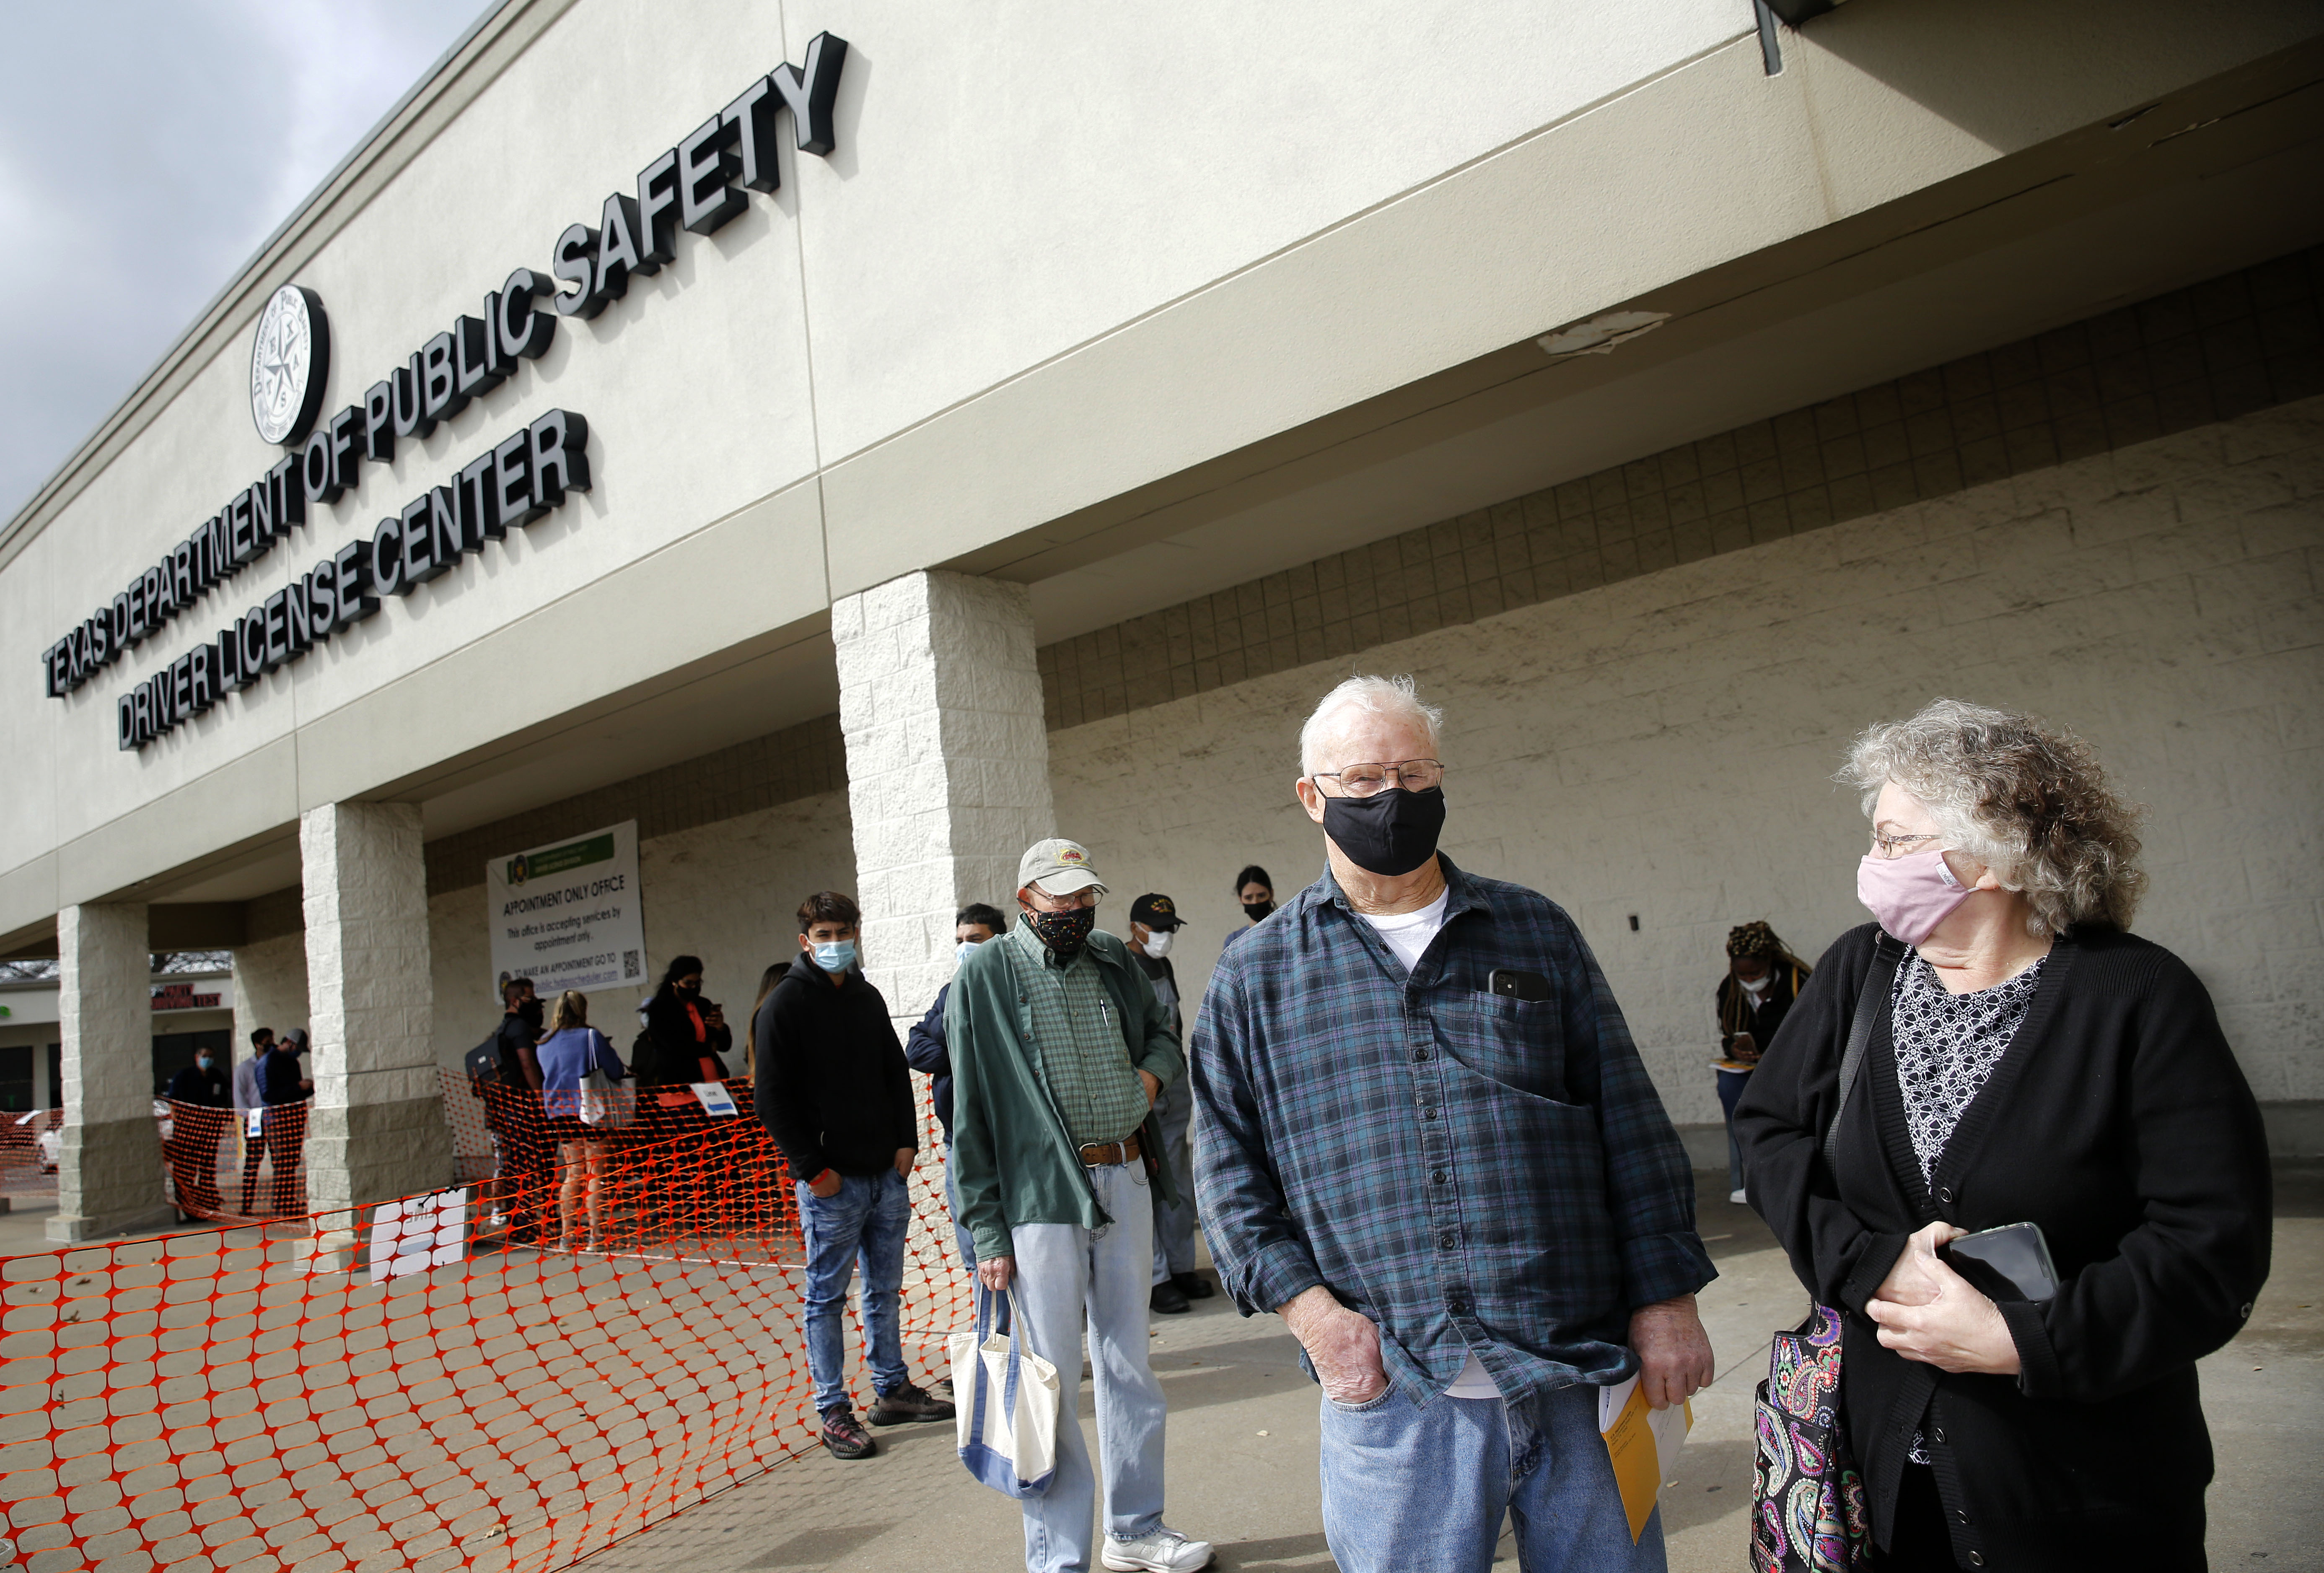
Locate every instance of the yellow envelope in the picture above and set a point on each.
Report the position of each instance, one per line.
(1641, 1442)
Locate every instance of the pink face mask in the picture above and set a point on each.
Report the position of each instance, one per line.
(1909, 895)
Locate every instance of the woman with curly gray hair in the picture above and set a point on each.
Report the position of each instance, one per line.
(2018, 1057)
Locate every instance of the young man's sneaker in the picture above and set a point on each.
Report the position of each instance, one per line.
(844, 1435)
(1168, 1299)
(909, 1403)
(1165, 1550)
(1193, 1285)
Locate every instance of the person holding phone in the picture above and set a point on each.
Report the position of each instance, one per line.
(1428, 1143)
(2027, 1063)
(1763, 978)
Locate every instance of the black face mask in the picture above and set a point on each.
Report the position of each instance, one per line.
(531, 1012)
(1391, 832)
(1257, 910)
(1064, 933)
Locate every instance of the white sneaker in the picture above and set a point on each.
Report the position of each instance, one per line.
(1165, 1550)
(1739, 1197)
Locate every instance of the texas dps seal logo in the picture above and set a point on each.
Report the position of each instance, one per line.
(290, 361)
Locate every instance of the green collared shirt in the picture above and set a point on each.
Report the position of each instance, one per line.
(1077, 1042)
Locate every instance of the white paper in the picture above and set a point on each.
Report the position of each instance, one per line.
(417, 1232)
(716, 1099)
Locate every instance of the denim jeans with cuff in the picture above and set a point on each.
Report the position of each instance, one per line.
(866, 1220)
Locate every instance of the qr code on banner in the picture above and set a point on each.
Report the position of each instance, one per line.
(630, 967)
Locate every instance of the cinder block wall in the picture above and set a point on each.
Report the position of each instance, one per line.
(1662, 745)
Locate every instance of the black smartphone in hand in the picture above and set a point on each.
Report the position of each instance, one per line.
(2010, 1263)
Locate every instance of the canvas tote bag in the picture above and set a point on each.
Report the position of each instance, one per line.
(1006, 1401)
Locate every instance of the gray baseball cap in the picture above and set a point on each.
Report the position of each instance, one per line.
(1058, 866)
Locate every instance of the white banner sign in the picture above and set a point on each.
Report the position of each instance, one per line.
(569, 915)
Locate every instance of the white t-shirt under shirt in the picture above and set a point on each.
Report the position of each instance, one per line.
(1408, 934)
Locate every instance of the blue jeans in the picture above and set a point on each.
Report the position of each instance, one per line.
(1069, 1277)
(867, 1219)
(1407, 1487)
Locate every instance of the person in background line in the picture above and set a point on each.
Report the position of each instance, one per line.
(287, 1093)
(250, 1094)
(1154, 925)
(1763, 978)
(689, 1033)
(570, 1051)
(1430, 1146)
(1058, 1050)
(775, 973)
(834, 1095)
(526, 1155)
(1255, 891)
(2028, 1061)
(925, 1051)
(198, 1119)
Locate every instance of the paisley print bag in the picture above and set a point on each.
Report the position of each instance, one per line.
(1807, 1497)
(1807, 1500)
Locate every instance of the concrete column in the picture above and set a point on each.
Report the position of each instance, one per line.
(109, 1173)
(947, 764)
(377, 1127)
(270, 988)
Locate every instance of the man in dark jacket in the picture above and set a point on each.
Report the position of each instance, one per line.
(1154, 925)
(834, 1093)
(200, 1099)
(287, 1091)
(526, 1164)
(924, 1051)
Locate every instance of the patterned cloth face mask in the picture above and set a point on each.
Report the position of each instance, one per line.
(1064, 933)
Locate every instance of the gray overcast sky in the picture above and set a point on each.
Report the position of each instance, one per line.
(146, 148)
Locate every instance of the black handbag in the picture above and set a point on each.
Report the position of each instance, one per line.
(1808, 1511)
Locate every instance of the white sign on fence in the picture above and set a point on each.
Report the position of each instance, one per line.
(569, 915)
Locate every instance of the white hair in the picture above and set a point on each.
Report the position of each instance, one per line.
(1378, 695)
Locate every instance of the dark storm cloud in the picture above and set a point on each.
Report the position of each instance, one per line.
(147, 147)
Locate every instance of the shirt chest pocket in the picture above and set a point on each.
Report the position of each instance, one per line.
(1519, 1043)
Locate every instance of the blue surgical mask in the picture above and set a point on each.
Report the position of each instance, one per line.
(964, 947)
(836, 956)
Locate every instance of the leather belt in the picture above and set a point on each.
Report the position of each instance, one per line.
(1099, 1153)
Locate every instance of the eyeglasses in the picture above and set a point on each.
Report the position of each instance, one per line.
(1361, 781)
(1071, 902)
(1888, 847)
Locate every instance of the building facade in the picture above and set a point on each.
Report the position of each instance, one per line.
(849, 444)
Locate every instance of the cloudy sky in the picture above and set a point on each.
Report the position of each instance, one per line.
(146, 148)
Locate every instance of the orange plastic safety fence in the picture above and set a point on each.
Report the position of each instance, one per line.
(416, 1384)
(28, 1153)
(235, 1167)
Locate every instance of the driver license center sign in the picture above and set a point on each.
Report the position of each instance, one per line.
(569, 915)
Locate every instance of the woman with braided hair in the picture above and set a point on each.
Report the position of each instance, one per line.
(1763, 978)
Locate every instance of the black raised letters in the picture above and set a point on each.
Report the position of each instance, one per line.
(443, 542)
(387, 557)
(574, 260)
(809, 93)
(617, 247)
(250, 644)
(752, 117)
(290, 497)
(560, 460)
(419, 564)
(707, 165)
(378, 423)
(316, 476)
(477, 503)
(322, 599)
(512, 482)
(351, 584)
(525, 333)
(657, 203)
(410, 383)
(346, 432)
(477, 358)
(440, 383)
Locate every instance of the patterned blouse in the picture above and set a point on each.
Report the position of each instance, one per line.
(1947, 1044)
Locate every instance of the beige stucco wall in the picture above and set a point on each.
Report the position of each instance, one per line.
(1664, 746)
(725, 892)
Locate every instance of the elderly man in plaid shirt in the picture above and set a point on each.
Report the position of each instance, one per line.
(1426, 1140)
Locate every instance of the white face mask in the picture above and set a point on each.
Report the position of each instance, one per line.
(1157, 942)
(964, 947)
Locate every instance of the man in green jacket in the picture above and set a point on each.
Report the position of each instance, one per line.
(1059, 1050)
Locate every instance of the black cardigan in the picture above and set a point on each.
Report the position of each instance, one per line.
(2119, 1122)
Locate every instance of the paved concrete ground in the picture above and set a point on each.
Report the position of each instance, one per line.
(1243, 1438)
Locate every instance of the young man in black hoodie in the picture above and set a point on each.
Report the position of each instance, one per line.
(834, 1093)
